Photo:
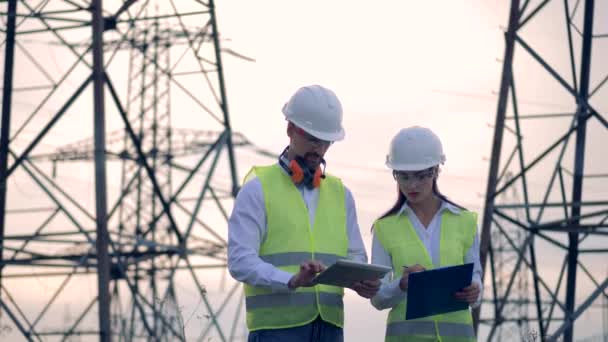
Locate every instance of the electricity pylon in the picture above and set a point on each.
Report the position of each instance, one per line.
(557, 161)
(153, 234)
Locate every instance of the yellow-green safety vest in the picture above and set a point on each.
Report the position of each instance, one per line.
(398, 237)
(289, 242)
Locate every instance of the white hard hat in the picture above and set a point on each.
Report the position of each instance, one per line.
(316, 110)
(413, 149)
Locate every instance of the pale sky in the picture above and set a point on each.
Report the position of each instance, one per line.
(396, 64)
(393, 64)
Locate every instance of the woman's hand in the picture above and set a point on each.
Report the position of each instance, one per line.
(406, 272)
(469, 294)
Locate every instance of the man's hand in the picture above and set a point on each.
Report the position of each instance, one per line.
(366, 288)
(308, 270)
(403, 283)
(469, 294)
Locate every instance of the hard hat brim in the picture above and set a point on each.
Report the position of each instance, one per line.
(327, 136)
(411, 167)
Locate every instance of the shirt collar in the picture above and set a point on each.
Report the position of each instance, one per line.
(285, 160)
(444, 206)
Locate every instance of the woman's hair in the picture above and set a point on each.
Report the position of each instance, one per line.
(442, 196)
(401, 199)
(397, 206)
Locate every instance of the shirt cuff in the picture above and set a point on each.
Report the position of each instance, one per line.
(393, 289)
(280, 279)
(478, 301)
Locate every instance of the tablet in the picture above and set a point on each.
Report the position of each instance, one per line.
(345, 272)
(432, 292)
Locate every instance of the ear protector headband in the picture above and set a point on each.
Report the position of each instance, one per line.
(300, 172)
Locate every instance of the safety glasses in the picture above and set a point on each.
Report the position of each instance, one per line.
(405, 177)
(311, 139)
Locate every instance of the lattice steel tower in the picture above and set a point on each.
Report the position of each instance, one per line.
(503, 256)
(550, 137)
(151, 236)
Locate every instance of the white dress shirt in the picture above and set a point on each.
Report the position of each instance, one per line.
(247, 230)
(390, 294)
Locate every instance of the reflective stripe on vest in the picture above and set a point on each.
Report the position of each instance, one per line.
(398, 237)
(296, 258)
(290, 240)
(292, 299)
(428, 328)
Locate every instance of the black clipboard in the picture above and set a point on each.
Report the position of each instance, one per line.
(432, 292)
(345, 272)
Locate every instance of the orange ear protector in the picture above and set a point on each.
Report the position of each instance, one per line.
(301, 174)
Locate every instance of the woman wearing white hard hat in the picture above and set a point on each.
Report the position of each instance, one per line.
(423, 230)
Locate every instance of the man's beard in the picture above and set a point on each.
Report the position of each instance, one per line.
(312, 164)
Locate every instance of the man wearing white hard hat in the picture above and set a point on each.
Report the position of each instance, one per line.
(290, 219)
(423, 230)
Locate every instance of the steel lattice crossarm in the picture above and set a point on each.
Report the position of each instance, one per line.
(184, 142)
(80, 255)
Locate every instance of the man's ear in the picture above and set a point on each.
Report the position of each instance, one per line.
(290, 128)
